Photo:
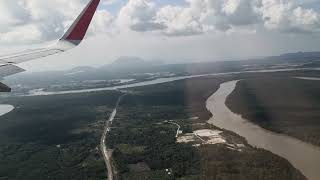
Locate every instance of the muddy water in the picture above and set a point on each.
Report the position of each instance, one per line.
(303, 156)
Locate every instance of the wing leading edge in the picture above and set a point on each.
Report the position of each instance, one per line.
(69, 40)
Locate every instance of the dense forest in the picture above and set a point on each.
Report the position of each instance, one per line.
(54, 137)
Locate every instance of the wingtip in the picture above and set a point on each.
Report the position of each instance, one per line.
(79, 28)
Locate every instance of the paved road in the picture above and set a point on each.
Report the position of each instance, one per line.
(107, 154)
(107, 158)
(171, 122)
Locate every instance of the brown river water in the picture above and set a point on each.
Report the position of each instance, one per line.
(303, 156)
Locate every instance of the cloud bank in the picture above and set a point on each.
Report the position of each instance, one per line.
(29, 21)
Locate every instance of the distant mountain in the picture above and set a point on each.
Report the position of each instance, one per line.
(297, 57)
(130, 63)
(302, 54)
(82, 68)
(127, 62)
(134, 67)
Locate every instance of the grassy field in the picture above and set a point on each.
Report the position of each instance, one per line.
(284, 105)
(54, 137)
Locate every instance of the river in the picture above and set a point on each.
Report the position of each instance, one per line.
(309, 78)
(40, 92)
(303, 156)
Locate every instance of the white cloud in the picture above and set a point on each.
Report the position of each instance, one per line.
(139, 15)
(24, 33)
(29, 21)
(12, 13)
(284, 15)
(180, 21)
(102, 23)
(109, 2)
(200, 16)
(208, 15)
(25, 21)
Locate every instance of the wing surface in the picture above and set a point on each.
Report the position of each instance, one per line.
(72, 38)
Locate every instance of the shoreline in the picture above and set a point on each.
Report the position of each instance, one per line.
(282, 145)
(40, 92)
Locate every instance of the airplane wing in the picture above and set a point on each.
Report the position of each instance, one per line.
(69, 40)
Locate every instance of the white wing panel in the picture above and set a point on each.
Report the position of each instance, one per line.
(26, 56)
(9, 69)
(71, 39)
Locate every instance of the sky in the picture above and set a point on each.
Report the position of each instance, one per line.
(171, 30)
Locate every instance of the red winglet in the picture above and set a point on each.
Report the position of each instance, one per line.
(78, 29)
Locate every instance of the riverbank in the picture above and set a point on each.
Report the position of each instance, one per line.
(284, 105)
(287, 147)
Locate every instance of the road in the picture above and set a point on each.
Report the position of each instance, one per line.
(107, 155)
(178, 130)
(303, 156)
